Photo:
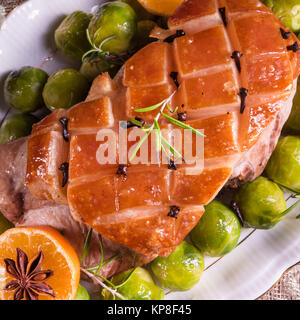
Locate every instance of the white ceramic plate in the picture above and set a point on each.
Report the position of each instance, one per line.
(26, 38)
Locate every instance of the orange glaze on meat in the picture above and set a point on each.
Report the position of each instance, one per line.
(133, 209)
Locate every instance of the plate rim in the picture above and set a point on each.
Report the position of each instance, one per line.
(8, 16)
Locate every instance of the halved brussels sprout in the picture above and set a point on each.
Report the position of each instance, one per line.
(284, 165)
(261, 203)
(113, 27)
(135, 285)
(218, 231)
(70, 36)
(288, 11)
(64, 89)
(94, 68)
(15, 127)
(181, 270)
(23, 89)
(144, 29)
(82, 293)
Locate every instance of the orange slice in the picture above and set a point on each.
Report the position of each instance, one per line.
(161, 8)
(57, 255)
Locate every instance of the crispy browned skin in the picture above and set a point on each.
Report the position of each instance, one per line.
(20, 207)
(135, 212)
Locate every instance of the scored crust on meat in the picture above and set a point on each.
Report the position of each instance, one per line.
(236, 76)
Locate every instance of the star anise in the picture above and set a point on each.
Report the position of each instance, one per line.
(29, 278)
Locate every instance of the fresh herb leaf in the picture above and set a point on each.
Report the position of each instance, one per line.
(140, 144)
(159, 139)
(182, 125)
(171, 148)
(170, 109)
(104, 41)
(89, 39)
(298, 216)
(104, 279)
(97, 53)
(139, 123)
(126, 280)
(106, 262)
(291, 208)
(148, 109)
(86, 245)
(102, 254)
(158, 135)
(100, 280)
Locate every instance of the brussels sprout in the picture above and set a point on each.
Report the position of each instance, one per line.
(92, 69)
(113, 27)
(142, 38)
(64, 89)
(135, 285)
(181, 270)
(15, 127)
(292, 126)
(70, 36)
(23, 89)
(4, 224)
(141, 12)
(284, 165)
(288, 11)
(218, 231)
(82, 293)
(261, 203)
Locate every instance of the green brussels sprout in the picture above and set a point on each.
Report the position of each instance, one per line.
(261, 203)
(288, 11)
(135, 284)
(141, 12)
(15, 127)
(284, 165)
(181, 270)
(64, 89)
(4, 224)
(292, 126)
(70, 36)
(94, 68)
(113, 27)
(82, 293)
(218, 231)
(23, 89)
(142, 38)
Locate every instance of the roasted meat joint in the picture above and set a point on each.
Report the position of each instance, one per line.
(222, 74)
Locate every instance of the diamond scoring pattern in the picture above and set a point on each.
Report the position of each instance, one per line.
(208, 79)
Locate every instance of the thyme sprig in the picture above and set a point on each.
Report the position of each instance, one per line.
(86, 245)
(295, 195)
(97, 53)
(94, 272)
(292, 207)
(161, 142)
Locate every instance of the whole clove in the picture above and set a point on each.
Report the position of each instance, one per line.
(174, 211)
(178, 34)
(243, 94)
(65, 171)
(64, 122)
